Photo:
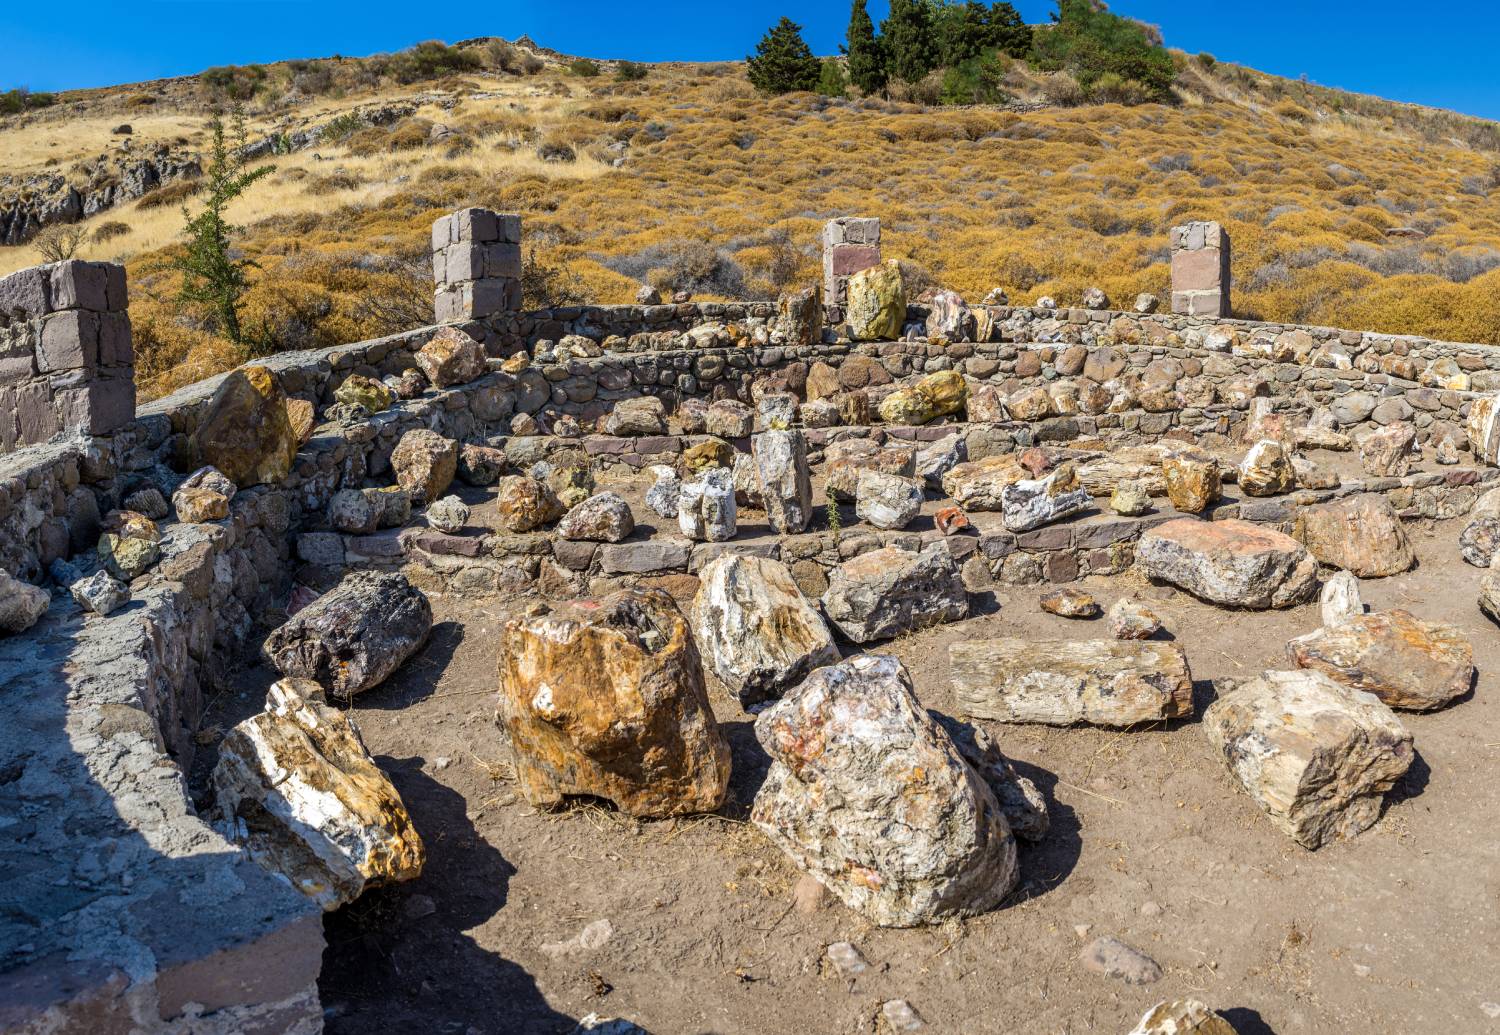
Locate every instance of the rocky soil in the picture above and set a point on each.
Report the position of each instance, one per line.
(525, 921)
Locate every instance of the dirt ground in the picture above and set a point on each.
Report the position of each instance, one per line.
(1151, 841)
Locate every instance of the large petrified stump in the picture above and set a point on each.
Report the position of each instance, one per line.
(867, 793)
(1234, 563)
(757, 630)
(784, 479)
(296, 786)
(1316, 756)
(355, 635)
(245, 431)
(606, 698)
(1060, 682)
(891, 591)
(1404, 661)
(1363, 535)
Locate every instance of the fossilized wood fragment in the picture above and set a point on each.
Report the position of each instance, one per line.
(606, 698)
(1060, 682)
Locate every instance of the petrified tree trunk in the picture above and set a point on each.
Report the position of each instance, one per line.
(355, 635)
(1059, 682)
(606, 698)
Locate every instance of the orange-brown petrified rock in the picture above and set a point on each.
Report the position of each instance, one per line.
(606, 698)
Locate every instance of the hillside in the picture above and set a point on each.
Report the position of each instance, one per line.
(1344, 209)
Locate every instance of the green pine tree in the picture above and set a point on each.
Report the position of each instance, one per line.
(782, 61)
(211, 276)
(832, 82)
(962, 31)
(1008, 31)
(910, 45)
(866, 51)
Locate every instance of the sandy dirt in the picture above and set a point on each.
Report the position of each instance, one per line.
(1151, 842)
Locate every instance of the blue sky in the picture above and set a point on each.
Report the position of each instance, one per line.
(1374, 46)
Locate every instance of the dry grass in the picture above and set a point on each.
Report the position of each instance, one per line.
(1047, 202)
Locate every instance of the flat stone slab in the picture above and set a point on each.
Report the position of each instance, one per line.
(1231, 562)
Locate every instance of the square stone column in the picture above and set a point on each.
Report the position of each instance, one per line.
(850, 244)
(1200, 270)
(66, 358)
(476, 265)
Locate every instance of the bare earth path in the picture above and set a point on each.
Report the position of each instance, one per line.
(1397, 931)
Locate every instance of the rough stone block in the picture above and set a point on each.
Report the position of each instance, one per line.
(98, 407)
(26, 294)
(1196, 271)
(502, 260)
(442, 230)
(70, 341)
(478, 225)
(116, 291)
(508, 228)
(80, 285)
(463, 262)
(36, 421)
(115, 346)
(851, 258)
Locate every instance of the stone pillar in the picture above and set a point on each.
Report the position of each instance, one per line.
(66, 359)
(850, 244)
(1200, 270)
(476, 265)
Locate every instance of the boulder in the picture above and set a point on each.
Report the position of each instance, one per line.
(481, 465)
(297, 788)
(890, 591)
(605, 518)
(948, 317)
(979, 484)
(1061, 682)
(1484, 428)
(799, 316)
(131, 545)
(854, 758)
(1387, 452)
(757, 630)
(1233, 562)
(706, 508)
(1340, 600)
(1479, 542)
(524, 503)
(844, 460)
(425, 463)
(606, 699)
(1489, 595)
(663, 494)
(1192, 481)
(1069, 603)
(936, 395)
(354, 636)
(729, 418)
(1131, 620)
(1316, 756)
(776, 411)
(938, 458)
(1182, 1017)
(22, 604)
(950, 520)
(875, 309)
(365, 392)
(100, 593)
(451, 357)
(195, 505)
(887, 501)
(1363, 535)
(642, 415)
(245, 431)
(706, 455)
(783, 479)
(1404, 661)
(1267, 470)
(1031, 503)
(1129, 499)
(449, 514)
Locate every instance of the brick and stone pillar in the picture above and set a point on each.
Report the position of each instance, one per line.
(850, 244)
(1200, 270)
(476, 265)
(66, 359)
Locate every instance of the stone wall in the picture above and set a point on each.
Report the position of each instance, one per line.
(66, 361)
